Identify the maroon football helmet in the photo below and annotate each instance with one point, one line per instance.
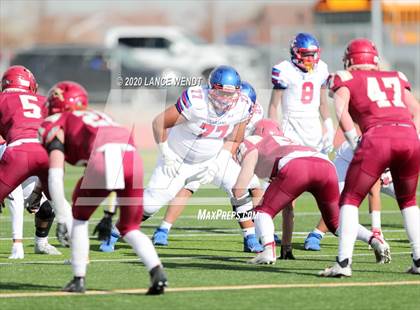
(267, 127)
(19, 77)
(67, 96)
(360, 52)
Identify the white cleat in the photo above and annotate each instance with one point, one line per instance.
(46, 248)
(338, 270)
(266, 257)
(381, 249)
(17, 251)
(415, 268)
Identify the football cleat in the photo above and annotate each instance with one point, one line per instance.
(76, 285)
(266, 257)
(338, 270)
(62, 235)
(160, 237)
(381, 249)
(313, 242)
(415, 268)
(17, 251)
(158, 281)
(46, 248)
(251, 244)
(277, 239)
(109, 245)
(286, 252)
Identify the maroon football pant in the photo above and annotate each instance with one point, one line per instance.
(88, 196)
(395, 147)
(305, 174)
(21, 162)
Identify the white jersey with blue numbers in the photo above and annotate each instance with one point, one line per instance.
(201, 137)
(300, 101)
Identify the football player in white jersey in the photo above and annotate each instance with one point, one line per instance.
(206, 126)
(225, 179)
(299, 87)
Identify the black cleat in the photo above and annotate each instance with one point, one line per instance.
(286, 252)
(159, 281)
(76, 285)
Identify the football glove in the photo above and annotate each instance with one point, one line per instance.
(207, 175)
(172, 161)
(62, 235)
(104, 227)
(32, 203)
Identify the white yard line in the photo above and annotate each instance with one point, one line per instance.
(120, 260)
(158, 218)
(229, 232)
(214, 288)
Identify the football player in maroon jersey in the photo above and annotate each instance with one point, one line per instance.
(381, 103)
(81, 136)
(292, 169)
(21, 112)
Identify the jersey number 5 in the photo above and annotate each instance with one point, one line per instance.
(375, 93)
(307, 92)
(30, 109)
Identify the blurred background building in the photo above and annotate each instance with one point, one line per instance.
(85, 40)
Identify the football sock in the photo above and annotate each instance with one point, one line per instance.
(143, 247)
(317, 231)
(248, 231)
(376, 219)
(363, 234)
(348, 227)
(16, 213)
(411, 217)
(264, 227)
(79, 247)
(166, 225)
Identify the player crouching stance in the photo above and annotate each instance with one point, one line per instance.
(88, 137)
(383, 106)
(292, 169)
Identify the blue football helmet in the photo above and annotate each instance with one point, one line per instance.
(248, 90)
(305, 51)
(225, 87)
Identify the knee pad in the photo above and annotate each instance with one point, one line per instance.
(45, 211)
(44, 219)
(242, 207)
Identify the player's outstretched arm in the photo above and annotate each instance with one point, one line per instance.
(328, 138)
(414, 108)
(341, 103)
(275, 102)
(245, 175)
(233, 141)
(167, 119)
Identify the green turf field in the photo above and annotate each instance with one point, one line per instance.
(207, 268)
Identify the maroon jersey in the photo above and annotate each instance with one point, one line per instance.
(272, 149)
(84, 131)
(20, 115)
(376, 97)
